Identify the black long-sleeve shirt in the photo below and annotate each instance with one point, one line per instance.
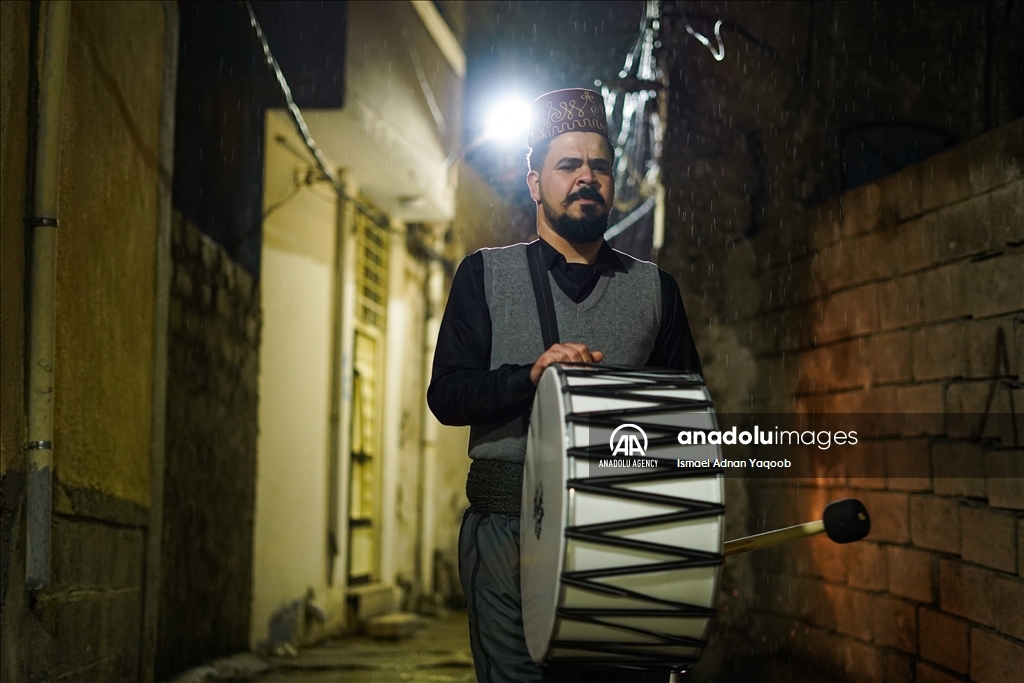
(464, 390)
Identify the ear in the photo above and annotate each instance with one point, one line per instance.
(533, 182)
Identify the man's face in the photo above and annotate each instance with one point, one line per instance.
(574, 187)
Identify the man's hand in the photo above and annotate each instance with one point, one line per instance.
(564, 353)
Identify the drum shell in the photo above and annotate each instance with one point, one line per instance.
(603, 580)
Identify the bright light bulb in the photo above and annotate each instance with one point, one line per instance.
(508, 121)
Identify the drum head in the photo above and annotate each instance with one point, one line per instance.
(542, 542)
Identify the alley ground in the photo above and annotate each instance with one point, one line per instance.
(438, 653)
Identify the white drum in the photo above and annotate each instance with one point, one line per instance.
(619, 564)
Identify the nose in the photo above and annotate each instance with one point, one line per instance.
(586, 176)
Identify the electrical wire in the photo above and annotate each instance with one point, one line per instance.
(278, 204)
(718, 54)
(318, 155)
(293, 109)
(309, 179)
(363, 206)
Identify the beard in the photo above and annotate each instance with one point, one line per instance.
(590, 226)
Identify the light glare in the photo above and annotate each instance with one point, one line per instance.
(508, 121)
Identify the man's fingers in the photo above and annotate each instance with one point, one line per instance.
(564, 353)
(578, 353)
(570, 352)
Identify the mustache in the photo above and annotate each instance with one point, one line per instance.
(585, 192)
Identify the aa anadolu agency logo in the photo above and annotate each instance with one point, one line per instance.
(628, 444)
(628, 441)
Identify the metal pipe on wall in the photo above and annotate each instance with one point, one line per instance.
(42, 283)
(336, 512)
(431, 427)
(395, 379)
(343, 355)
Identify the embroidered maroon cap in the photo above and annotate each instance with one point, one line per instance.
(573, 110)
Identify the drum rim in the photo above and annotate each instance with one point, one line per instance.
(559, 378)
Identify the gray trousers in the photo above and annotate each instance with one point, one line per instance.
(489, 571)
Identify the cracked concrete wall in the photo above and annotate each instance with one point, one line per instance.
(86, 624)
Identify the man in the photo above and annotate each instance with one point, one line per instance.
(490, 355)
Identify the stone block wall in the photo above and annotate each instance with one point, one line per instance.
(85, 625)
(906, 297)
(210, 461)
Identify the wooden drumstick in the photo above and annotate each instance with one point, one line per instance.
(845, 521)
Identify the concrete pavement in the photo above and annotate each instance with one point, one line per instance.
(438, 653)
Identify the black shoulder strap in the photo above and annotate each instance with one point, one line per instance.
(542, 290)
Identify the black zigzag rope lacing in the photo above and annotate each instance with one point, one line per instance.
(651, 653)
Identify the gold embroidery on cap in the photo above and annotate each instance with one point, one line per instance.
(581, 113)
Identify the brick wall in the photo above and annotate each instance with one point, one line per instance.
(907, 296)
(900, 296)
(209, 485)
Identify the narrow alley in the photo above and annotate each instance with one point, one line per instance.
(665, 340)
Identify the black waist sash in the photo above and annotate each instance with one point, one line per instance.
(495, 486)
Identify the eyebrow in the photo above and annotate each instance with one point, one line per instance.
(578, 160)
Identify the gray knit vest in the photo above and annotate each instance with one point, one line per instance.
(621, 317)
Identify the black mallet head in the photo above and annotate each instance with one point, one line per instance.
(846, 520)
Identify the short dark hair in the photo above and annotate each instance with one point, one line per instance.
(536, 156)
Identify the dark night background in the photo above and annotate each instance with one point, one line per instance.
(883, 84)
